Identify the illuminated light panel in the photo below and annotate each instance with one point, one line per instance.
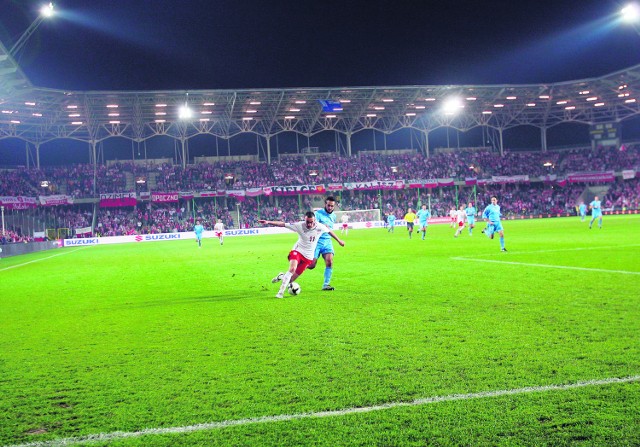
(420, 107)
(161, 105)
(531, 104)
(294, 110)
(584, 92)
(161, 113)
(331, 116)
(114, 114)
(371, 115)
(622, 86)
(74, 115)
(15, 122)
(592, 98)
(72, 107)
(301, 102)
(471, 98)
(486, 112)
(29, 103)
(252, 111)
(160, 121)
(378, 108)
(410, 114)
(36, 114)
(112, 106)
(204, 119)
(76, 123)
(247, 118)
(598, 104)
(207, 104)
(544, 97)
(345, 100)
(255, 103)
(497, 106)
(561, 102)
(206, 112)
(511, 98)
(629, 100)
(289, 117)
(8, 112)
(570, 107)
(387, 100)
(114, 122)
(429, 99)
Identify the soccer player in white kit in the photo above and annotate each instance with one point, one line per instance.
(345, 224)
(461, 215)
(301, 255)
(218, 230)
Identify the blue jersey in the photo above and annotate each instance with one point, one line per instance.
(391, 220)
(326, 219)
(492, 212)
(583, 209)
(198, 229)
(423, 215)
(470, 211)
(595, 208)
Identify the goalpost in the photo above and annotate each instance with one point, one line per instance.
(358, 216)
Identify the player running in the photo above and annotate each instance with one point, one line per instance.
(423, 220)
(596, 212)
(324, 248)
(492, 215)
(582, 210)
(218, 230)
(471, 212)
(461, 214)
(391, 222)
(345, 224)
(198, 229)
(301, 255)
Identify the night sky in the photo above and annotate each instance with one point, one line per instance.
(237, 44)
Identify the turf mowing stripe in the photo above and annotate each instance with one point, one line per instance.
(565, 267)
(555, 250)
(41, 259)
(102, 437)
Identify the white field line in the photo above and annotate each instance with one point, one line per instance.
(555, 250)
(549, 266)
(41, 259)
(106, 437)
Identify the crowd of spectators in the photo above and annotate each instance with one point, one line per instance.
(82, 181)
(528, 198)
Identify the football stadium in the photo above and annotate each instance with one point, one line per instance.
(464, 268)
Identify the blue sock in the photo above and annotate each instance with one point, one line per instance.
(327, 275)
(502, 242)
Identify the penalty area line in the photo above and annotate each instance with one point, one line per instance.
(102, 437)
(41, 259)
(549, 266)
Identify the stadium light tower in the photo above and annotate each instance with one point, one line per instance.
(45, 12)
(630, 13)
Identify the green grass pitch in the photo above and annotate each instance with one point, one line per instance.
(100, 343)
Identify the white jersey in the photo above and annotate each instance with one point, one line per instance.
(344, 218)
(453, 214)
(307, 237)
(460, 215)
(219, 227)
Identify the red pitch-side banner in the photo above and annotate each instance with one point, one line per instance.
(164, 197)
(18, 203)
(238, 194)
(591, 177)
(220, 193)
(254, 192)
(118, 199)
(335, 186)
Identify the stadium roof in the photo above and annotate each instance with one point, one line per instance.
(39, 115)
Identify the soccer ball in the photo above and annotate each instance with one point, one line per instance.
(293, 288)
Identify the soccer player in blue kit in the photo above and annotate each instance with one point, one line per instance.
(325, 247)
(470, 211)
(423, 220)
(596, 212)
(198, 229)
(582, 209)
(492, 214)
(391, 221)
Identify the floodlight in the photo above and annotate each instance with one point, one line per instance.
(47, 10)
(630, 13)
(452, 105)
(185, 112)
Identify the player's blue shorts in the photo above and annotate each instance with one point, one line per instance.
(497, 226)
(423, 223)
(324, 246)
(596, 214)
(471, 220)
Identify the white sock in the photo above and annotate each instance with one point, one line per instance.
(286, 278)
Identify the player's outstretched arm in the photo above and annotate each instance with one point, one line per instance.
(275, 223)
(338, 240)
